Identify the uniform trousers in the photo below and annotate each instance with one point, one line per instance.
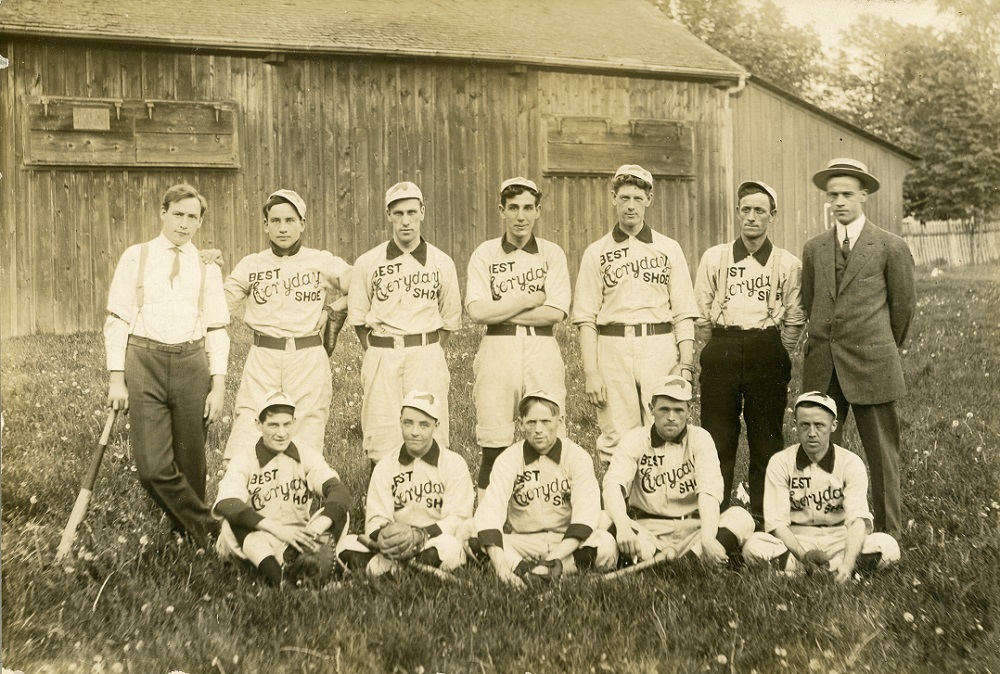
(745, 372)
(832, 540)
(167, 387)
(878, 428)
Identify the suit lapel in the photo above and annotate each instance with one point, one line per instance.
(859, 256)
(825, 256)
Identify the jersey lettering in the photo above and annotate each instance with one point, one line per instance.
(652, 269)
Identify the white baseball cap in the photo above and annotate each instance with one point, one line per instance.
(821, 399)
(542, 395)
(675, 387)
(523, 182)
(403, 190)
(274, 399)
(635, 171)
(292, 197)
(423, 401)
(764, 186)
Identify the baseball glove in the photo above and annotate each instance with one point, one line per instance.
(816, 560)
(400, 541)
(332, 329)
(536, 572)
(312, 569)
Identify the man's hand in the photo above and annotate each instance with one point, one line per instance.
(211, 256)
(713, 552)
(597, 391)
(296, 536)
(118, 392)
(683, 370)
(628, 542)
(844, 575)
(214, 401)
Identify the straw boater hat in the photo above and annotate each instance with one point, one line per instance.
(846, 167)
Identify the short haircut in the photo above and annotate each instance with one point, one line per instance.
(513, 190)
(526, 404)
(275, 409)
(625, 179)
(183, 191)
(274, 201)
(809, 403)
(747, 190)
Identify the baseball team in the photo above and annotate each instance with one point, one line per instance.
(538, 509)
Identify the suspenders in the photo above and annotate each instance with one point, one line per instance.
(722, 288)
(140, 287)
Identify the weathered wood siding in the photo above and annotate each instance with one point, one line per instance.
(339, 131)
(784, 144)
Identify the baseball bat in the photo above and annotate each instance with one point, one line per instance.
(665, 555)
(86, 489)
(412, 562)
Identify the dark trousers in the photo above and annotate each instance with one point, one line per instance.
(745, 372)
(166, 397)
(878, 428)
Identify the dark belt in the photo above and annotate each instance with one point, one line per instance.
(285, 343)
(407, 340)
(733, 330)
(638, 514)
(510, 329)
(183, 347)
(639, 330)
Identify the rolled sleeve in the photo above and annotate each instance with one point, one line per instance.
(777, 508)
(558, 293)
(450, 300)
(589, 295)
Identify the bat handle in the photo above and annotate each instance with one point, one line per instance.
(90, 477)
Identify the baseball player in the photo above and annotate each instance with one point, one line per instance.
(748, 294)
(167, 353)
(267, 492)
(669, 472)
(420, 499)
(404, 300)
(816, 514)
(635, 309)
(519, 288)
(545, 489)
(288, 292)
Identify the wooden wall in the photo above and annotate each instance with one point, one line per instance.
(339, 131)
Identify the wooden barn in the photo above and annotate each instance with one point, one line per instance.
(104, 105)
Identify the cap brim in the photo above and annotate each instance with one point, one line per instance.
(868, 181)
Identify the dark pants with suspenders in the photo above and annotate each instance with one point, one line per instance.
(745, 372)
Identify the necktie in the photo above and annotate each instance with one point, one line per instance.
(845, 247)
(176, 268)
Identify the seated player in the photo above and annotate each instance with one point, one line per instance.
(669, 472)
(816, 514)
(266, 496)
(420, 499)
(545, 487)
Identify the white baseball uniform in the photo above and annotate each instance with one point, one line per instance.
(404, 299)
(284, 297)
(634, 290)
(514, 359)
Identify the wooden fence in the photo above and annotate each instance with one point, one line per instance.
(956, 243)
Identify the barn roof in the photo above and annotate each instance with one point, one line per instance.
(628, 35)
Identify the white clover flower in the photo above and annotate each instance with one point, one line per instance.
(721, 659)
(908, 617)
(169, 609)
(780, 652)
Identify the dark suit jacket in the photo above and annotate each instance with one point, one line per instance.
(858, 329)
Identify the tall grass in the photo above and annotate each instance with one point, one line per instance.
(133, 599)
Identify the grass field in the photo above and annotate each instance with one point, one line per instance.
(134, 600)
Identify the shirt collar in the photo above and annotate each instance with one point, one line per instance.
(645, 234)
(802, 460)
(530, 247)
(851, 229)
(163, 243)
(431, 457)
(656, 440)
(264, 455)
(530, 455)
(286, 252)
(419, 253)
(740, 251)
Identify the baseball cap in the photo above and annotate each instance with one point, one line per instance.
(423, 401)
(523, 182)
(764, 186)
(821, 399)
(403, 190)
(675, 387)
(635, 171)
(274, 399)
(542, 395)
(292, 197)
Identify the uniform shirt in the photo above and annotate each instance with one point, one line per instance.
(664, 479)
(745, 300)
(396, 293)
(170, 311)
(499, 269)
(278, 485)
(634, 279)
(285, 295)
(556, 492)
(829, 493)
(433, 492)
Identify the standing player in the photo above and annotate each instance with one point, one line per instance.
(291, 289)
(404, 301)
(545, 488)
(858, 293)
(748, 292)
(267, 494)
(669, 472)
(816, 502)
(419, 500)
(635, 308)
(519, 287)
(167, 352)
